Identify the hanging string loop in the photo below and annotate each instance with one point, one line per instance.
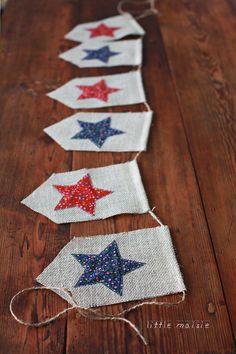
(138, 14)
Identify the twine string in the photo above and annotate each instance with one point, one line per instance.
(155, 217)
(138, 14)
(86, 312)
(147, 106)
(137, 155)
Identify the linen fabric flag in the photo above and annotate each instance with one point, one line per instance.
(99, 54)
(102, 131)
(109, 269)
(101, 91)
(90, 194)
(110, 28)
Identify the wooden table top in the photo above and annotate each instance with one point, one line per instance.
(188, 171)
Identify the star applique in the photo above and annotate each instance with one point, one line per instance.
(102, 30)
(82, 195)
(97, 132)
(107, 267)
(103, 54)
(100, 90)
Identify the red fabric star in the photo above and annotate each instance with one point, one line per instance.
(102, 30)
(82, 195)
(100, 90)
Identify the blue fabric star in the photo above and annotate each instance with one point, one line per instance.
(97, 132)
(103, 54)
(106, 267)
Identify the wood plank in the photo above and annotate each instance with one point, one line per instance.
(201, 52)
(28, 241)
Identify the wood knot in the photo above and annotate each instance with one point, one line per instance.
(211, 308)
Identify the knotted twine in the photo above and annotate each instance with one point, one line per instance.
(88, 313)
(151, 10)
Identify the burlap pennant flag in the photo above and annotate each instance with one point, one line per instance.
(101, 91)
(100, 54)
(108, 29)
(110, 269)
(90, 194)
(103, 131)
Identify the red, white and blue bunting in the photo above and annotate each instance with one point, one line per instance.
(105, 269)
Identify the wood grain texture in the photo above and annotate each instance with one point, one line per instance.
(187, 172)
(199, 43)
